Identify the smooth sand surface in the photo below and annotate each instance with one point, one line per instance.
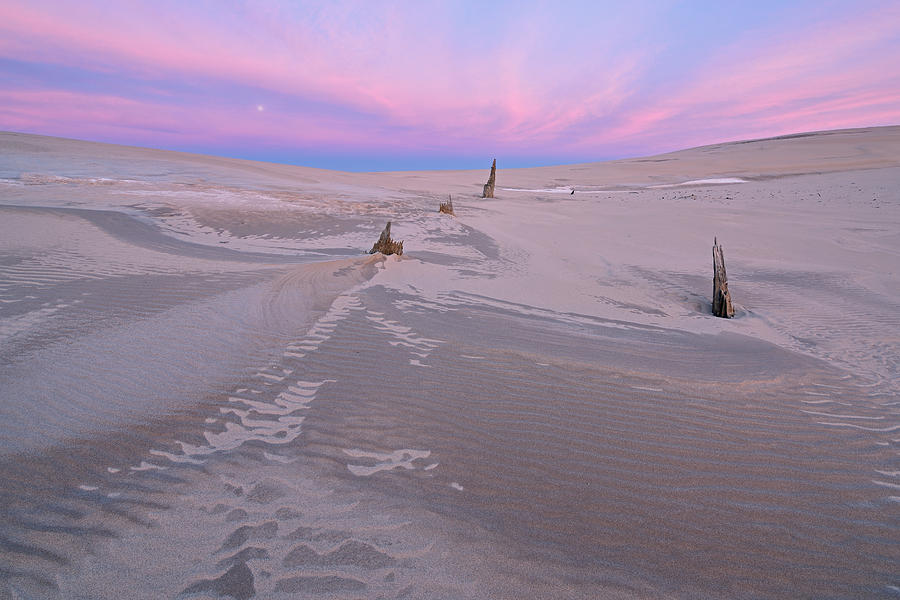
(208, 389)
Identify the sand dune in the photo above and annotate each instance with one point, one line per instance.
(208, 389)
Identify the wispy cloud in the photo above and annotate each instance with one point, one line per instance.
(536, 81)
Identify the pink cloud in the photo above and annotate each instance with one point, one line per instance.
(410, 84)
(62, 113)
(795, 82)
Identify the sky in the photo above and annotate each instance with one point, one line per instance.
(383, 85)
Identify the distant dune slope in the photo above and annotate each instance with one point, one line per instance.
(813, 152)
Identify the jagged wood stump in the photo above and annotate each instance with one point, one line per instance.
(721, 304)
(386, 245)
(446, 207)
(489, 186)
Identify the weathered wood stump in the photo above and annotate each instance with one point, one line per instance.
(446, 207)
(489, 186)
(386, 245)
(721, 304)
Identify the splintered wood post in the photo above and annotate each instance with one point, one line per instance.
(721, 304)
(489, 186)
(447, 207)
(386, 245)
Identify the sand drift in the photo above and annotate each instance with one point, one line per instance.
(209, 389)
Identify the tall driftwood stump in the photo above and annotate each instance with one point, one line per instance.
(446, 207)
(489, 186)
(386, 245)
(721, 304)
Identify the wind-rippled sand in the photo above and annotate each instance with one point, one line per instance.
(208, 389)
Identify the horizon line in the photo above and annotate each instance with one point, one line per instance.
(231, 156)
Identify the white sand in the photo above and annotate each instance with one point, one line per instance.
(205, 382)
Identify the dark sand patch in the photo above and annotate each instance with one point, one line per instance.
(327, 584)
(236, 582)
(352, 553)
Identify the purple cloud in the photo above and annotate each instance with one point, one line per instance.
(535, 83)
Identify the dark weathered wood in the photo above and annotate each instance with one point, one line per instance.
(447, 207)
(489, 186)
(721, 304)
(386, 245)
